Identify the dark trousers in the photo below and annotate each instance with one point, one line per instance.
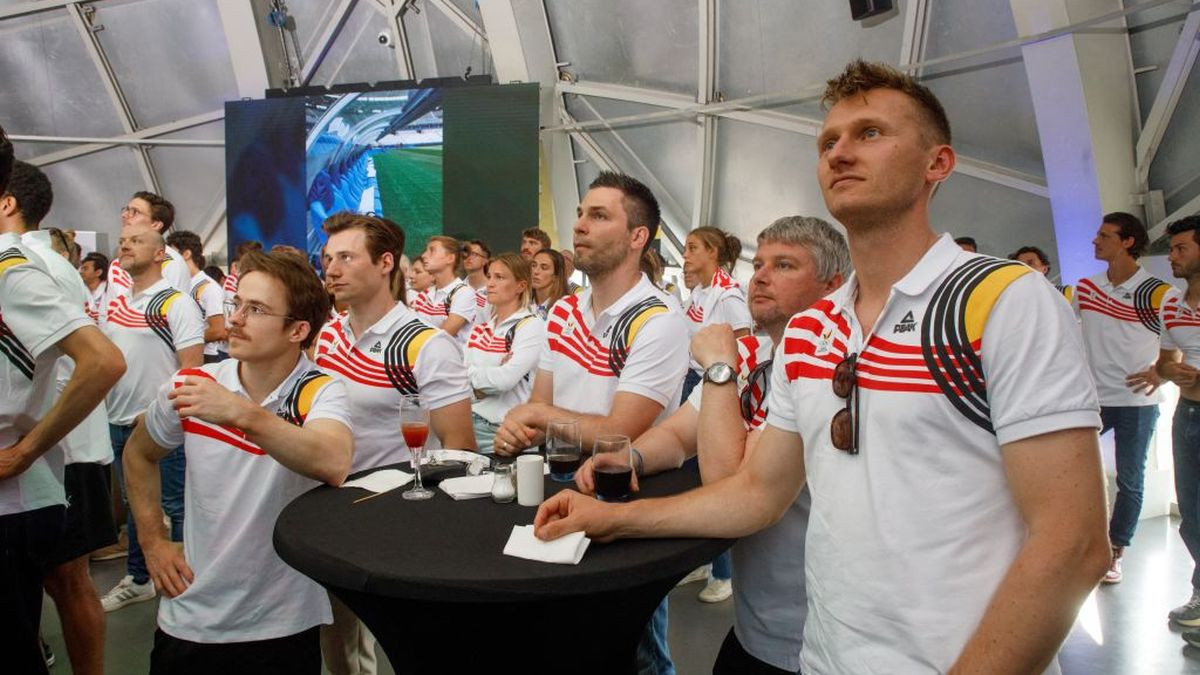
(733, 659)
(171, 471)
(27, 543)
(298, 654)
(1185, 442)
(1132, 427)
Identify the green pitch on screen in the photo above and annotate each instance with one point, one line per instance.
(410, 189)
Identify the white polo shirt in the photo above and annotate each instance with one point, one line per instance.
(1121, 326)
(233, 493)
(482, 311)
(634, 345)
(149, 328)
(229, 285)
(210, 297)
(909, 539)
(89, 440)
(769, 600)
(35, 315)
(723, 301)
(401, 354)
(1181, 326)
(501, 360)
(436, 305)
(95, 302)
(175, 272)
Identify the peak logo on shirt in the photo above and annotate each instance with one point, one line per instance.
(907, 325)
(377, 348)
(825, 343)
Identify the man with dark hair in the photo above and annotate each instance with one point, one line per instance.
(533, 240)
(475, 256)
(206, 292)
(6, 159)
(641, 371)
(1037, 259)
(89, 521)
(1179, 362)
(1119, 313)
(93, 270)
(383, 351)
(887, 387)
(967, 244)
(146, 209)
(263, 427)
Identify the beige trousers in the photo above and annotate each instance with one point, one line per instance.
(347, 646)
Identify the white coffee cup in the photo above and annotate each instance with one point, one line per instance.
(530, 490)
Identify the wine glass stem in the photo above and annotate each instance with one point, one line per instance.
(416, 453)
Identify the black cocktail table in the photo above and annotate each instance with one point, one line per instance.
(430, 580)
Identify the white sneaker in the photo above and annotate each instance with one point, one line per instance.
(126, 593)
(716, 590)
(698, 574)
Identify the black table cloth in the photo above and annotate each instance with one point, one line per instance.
(430, 580)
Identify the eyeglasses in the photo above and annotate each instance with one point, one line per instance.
(759, 381)
(233, 308)
(130, 210)
(843, 429)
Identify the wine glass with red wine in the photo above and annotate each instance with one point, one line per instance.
(612, 467)
(414, 425)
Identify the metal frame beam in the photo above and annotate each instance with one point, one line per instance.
(672, 210)
(395, 17)
(916, 24)
(1192, 207)
(969, 166)
(1174, 78)
(245, 47)
(26, 8)
(706, 131)
(333, 27)
(151, 132)
(465, 23)
(213, 219)
(121, 141)
(108, 78)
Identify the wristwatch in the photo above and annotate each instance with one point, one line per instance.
(719, 373)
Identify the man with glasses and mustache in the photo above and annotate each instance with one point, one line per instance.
(939, 410)
(146, 209)
(799, 261)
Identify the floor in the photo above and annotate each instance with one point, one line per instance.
(1121, 629)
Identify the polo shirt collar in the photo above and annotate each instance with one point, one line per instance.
(1132, 282)
(36, 238)
(400, 312)
(521, 313)
(232, 379)
(155, 288)
(928, 269)
(640, 290)
(9, 239)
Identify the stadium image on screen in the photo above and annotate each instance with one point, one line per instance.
(375, 152)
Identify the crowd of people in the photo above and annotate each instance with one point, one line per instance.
(906, 444)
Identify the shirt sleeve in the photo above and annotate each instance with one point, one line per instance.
(526, 353)
(162, 420)
(732, 309)
(441, 373)
(463, 303)
(176, 272)
(187, 328)
(1034, 364)
(213, 301)
(658, 360)
(781, 400)
(36, 310)
(331, 403)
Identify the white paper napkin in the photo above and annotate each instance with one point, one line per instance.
(566, 550)
(381, 481)
(444, 455)
(467, 487)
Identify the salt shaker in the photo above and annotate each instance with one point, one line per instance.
(503, 488)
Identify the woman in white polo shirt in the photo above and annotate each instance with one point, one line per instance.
(709, 255)
(548, 272)
(503, 351)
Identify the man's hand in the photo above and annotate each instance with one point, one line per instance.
(715, 343)
(203, 398)
(167, 566)
(1184, 375)
(1145, 382)
(585, 478)
(521, 429)
(15, 460)
(568, 511)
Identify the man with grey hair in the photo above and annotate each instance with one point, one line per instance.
(799, 261)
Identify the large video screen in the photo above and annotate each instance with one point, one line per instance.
(457, 160)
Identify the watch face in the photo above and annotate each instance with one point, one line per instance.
(719, 373)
